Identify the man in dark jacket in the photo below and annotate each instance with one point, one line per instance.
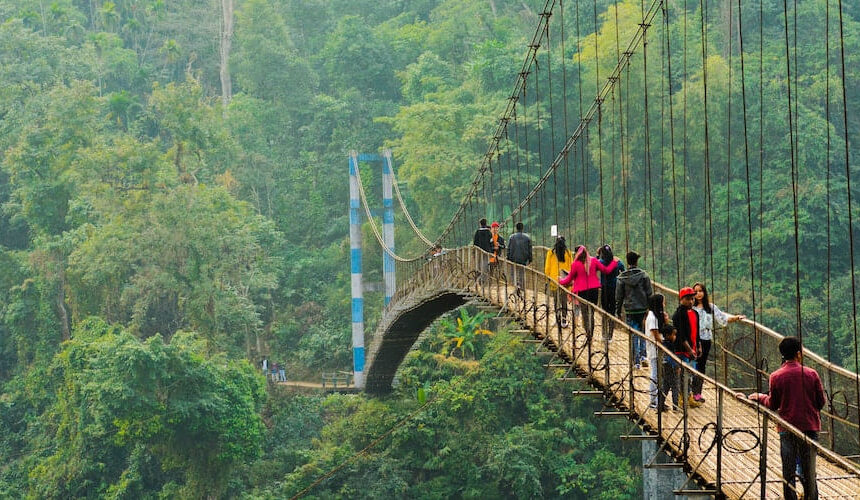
(484, 240)
(520, 252)
(631, 294)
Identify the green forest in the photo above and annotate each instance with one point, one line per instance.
(174, 209)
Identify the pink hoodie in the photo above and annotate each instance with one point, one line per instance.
(583, 280)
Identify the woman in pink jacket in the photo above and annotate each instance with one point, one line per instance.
(586, 282)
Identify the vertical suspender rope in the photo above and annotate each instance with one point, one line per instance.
(672, 149)
(551, 125)
(761, 152)
(683, 256)
(749, 193)
(663, 55)
(619, 120)
(793, 180)
(828, 324)
(729, 153)
(526, 151)
(850, 213)
(578, 148)
(599, 122)
(539, 165)
(703, 8)
(568, 201)
(649, 202)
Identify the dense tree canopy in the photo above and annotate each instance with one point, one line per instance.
(159, 236)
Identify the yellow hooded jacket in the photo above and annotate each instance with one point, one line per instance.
(552, 266)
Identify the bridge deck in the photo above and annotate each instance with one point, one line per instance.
(740, 467)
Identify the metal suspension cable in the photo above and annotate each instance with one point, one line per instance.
(672, 148)
(609, 84)
(599, 127)
(376, 231)
(749, 194)
(406, 211)
(794, 180)
(729, 151)
(564, 102)
(551, 121)
(828, 325)
(850, 212)
(703, 13)
(649, 201)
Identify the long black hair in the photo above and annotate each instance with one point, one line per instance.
(560, 248)
(604, 253)
(656, 306)
(706, 299)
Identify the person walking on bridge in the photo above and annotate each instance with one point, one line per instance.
(555, 266)
(497, 243)
(686, 321)
(520, 252)
(797, 395)
(586, 283)
(483, 239)
(608, 284)
(707, 314)
(631, 294)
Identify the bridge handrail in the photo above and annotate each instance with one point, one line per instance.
(433, 269)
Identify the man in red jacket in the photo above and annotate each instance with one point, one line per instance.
(797, 395)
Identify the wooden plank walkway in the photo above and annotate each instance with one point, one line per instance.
(742, 423)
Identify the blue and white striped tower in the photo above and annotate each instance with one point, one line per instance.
(355, 276)
(388, 226)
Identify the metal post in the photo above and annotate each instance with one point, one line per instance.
(388, 225)
(719, 432)
(630, 354)
(762, 463)
(355, 273)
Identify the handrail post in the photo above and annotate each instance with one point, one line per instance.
(661, 397)
(762, 462)
(719, 438)
(632, 385)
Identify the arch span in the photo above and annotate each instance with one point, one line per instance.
(397, 337)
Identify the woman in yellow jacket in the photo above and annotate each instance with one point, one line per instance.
(557, 266)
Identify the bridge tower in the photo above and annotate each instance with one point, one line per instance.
(388, 225)
(355, 250)
(356, 281)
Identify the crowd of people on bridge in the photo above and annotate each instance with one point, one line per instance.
(795, 391)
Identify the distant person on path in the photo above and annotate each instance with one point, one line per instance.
(654, 322)
(608, 283)
(686, 321)
(631, 294)
(282, 372)
(555, 266)
(265, 364)
(797, 396)
(520, 252)
(707, 314)
(274, 371)
(586, 282)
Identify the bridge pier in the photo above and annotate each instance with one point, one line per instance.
(659, 483)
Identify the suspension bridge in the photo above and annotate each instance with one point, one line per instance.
(607, 139)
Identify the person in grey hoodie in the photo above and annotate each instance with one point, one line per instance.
(631, 294)
(520, 252)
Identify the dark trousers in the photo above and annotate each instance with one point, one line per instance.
(561, 304)
(671, 382)
(791, 449)
(607, 302)
(701, 364)
(590, 296)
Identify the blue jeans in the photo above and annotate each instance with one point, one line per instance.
(634, 321)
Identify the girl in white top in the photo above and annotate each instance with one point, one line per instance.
(655, 319)
(707, 314)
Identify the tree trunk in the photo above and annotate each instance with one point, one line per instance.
(61, 300)
(493, 7)
(226, 42)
